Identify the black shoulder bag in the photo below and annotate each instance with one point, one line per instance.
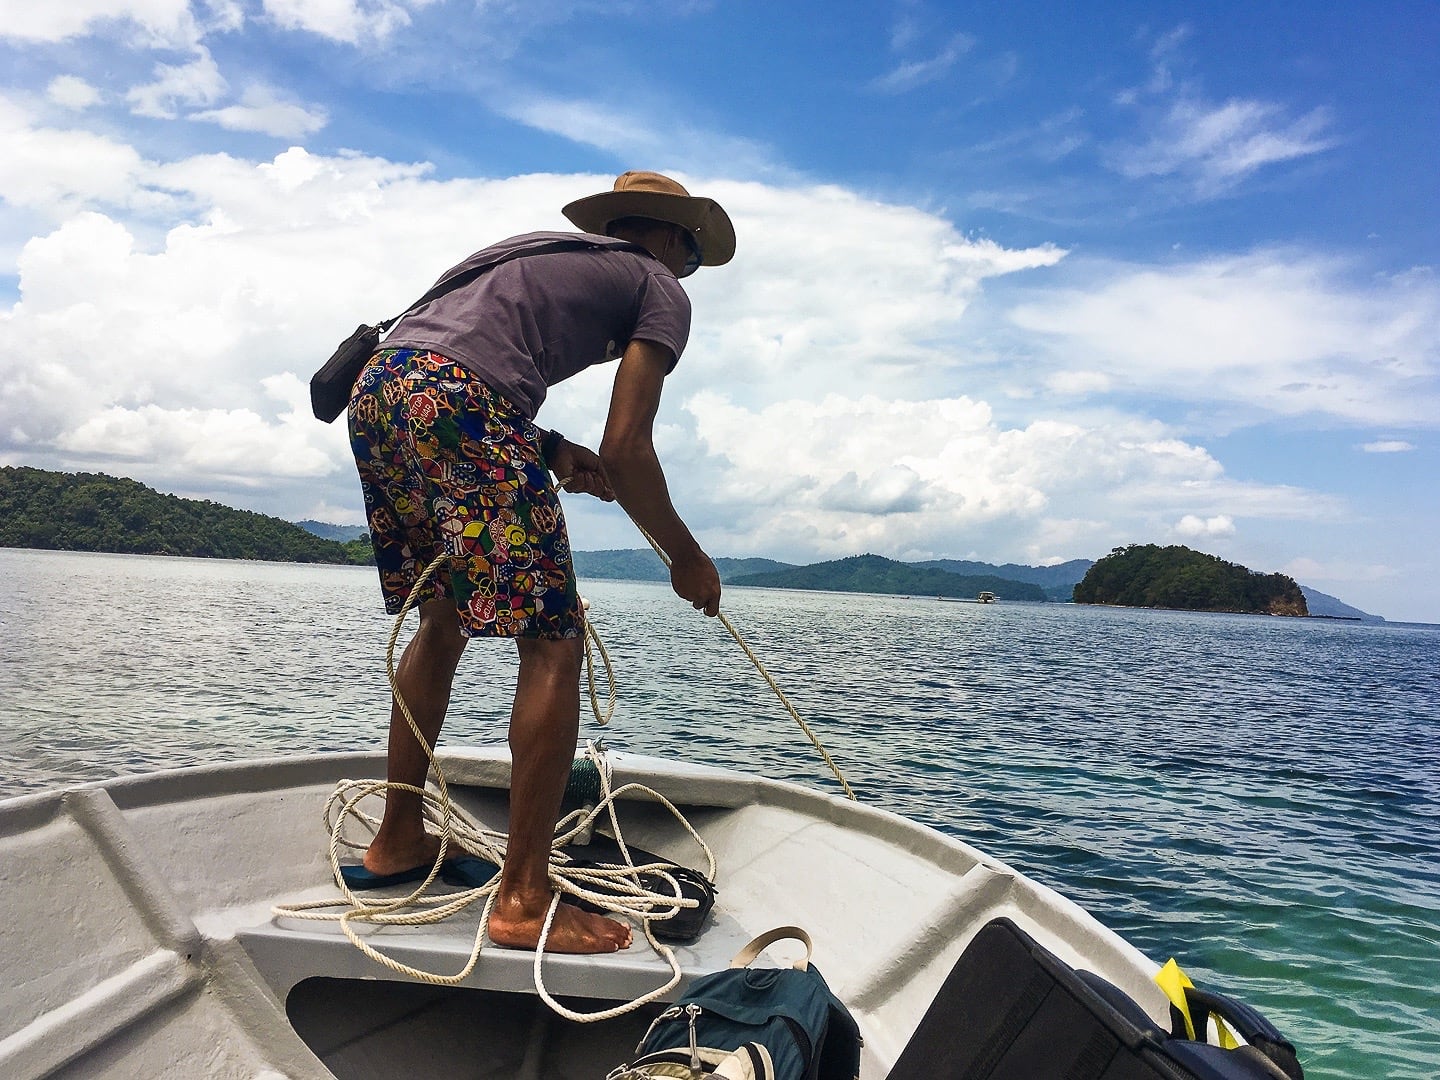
(331, 386)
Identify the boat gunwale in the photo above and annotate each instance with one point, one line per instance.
(274, 773)
(688, 784)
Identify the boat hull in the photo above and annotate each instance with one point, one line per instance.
(140, 938)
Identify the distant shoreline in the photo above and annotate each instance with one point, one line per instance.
(999, 602)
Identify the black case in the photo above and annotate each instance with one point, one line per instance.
(1011, 1010)
(330, 387)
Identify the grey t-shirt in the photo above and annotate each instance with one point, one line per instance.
(532, 322)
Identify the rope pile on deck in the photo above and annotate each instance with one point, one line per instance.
(617, 889)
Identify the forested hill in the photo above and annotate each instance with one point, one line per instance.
(1058, 581)
(95, 512)
(876, 574)
(642, 564)
(326, 531)
(1145, 575)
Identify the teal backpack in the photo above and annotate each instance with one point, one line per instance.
(747, 1022)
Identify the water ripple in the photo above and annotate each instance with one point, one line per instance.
(1258, 797)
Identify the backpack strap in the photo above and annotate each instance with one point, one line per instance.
(747, 955)
(464, 277)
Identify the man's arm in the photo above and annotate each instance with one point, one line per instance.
(628, 454)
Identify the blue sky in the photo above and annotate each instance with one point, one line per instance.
(1015, 282)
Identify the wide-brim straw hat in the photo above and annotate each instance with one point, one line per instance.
(651, 195)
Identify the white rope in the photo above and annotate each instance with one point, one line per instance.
(593, 635)
(739, 640)
(457, 831)
(794, 714)
(596, 885)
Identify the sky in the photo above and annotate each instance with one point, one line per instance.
(1015, 282)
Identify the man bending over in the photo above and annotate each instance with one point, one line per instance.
(442, 427)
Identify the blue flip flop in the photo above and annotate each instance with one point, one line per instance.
(465, 870)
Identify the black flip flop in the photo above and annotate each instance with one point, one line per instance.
(685, 925)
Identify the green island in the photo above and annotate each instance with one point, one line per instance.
(877, 574)
(642, 564)
(94, 512)
(1146, 575)
(859, 573)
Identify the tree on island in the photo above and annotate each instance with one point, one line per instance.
(95, 512)
(1146, 575)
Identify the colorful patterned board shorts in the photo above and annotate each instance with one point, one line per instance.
(448, 465)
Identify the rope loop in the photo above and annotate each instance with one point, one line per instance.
(616, 888)
(769, 679)
(597, 885)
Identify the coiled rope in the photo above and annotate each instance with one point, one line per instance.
(595, 885)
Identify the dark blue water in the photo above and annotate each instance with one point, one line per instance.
(1258, 797)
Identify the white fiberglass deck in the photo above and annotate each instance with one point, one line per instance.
(138, 940)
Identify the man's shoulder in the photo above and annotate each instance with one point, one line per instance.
(526, 241)
(517, 247)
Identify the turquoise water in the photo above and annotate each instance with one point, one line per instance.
(1258, 797)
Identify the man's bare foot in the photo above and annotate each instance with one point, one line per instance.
(383, 858)
(516, 926)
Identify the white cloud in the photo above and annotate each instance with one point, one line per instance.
(228, 443)
(647, 131)
(332, 513)
(54, 170)
(1077, 383)
(1049, 140)
(349, 21)
(811, 415)
(163, 21)
(837, 291)
(175, 87)
(905, 31)
(155, 356)
(841, 475)
(1215, 147)
(1191, 526)
(910, 74)
(1210, 146)
(72, 92)
(1168, 42)
(261, 110)
(1164, 54)
(1387, 446)
(224, 15)
(1272, 332)
(585, 122)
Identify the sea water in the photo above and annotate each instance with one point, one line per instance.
(1257, 797)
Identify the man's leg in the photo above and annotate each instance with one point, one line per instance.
(543, 728)
(424, 676)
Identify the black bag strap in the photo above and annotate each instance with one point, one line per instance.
(1248, 1021)
(465, 277)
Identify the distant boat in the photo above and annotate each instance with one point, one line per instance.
(988, 598)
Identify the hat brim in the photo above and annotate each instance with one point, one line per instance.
(703, 218)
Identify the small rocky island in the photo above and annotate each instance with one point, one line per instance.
(1146, 575)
